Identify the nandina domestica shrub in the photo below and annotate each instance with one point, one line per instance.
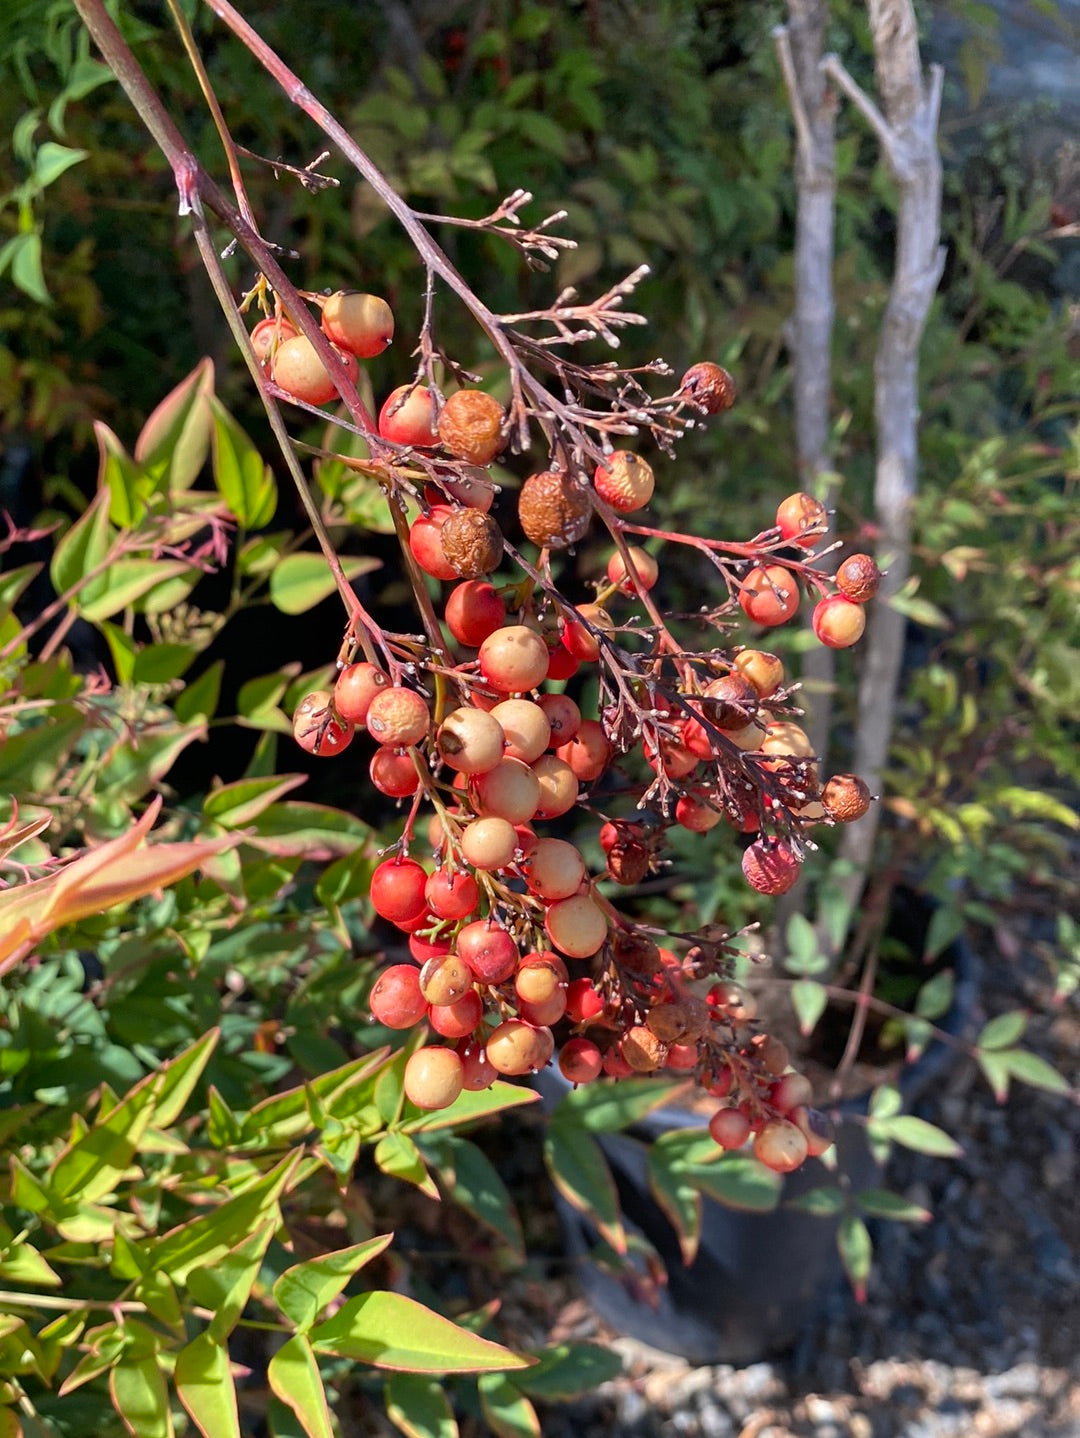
(516, 942)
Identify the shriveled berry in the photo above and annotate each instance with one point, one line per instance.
(553, 509)
(425, 542)
(858, 578)
(472, 543)
(770, 866)
(846, 798)
(471, 425)
(709, 387)
(642, 1050)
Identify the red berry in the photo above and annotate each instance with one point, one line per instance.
(425, 542)
(268, 334)
(317, 729)
(395, 998)
(459, 1019)
(397, 889)
(488, 950)
(356, 687)
(583, 1002)
(729, 1128)
(393, 772)
(802, 519)
(625, 482)
(514, 659)
(408, 416)
(298, 370)
(781, 1146)
(580, 1060)
(398, 716)
(361, 324)
(769, 594)
(839, 622)
(433, 1078)
(451, 893)
(474, 610)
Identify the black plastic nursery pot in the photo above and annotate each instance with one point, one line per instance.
(759, 1280)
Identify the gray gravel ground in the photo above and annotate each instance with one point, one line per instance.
(971, 1328)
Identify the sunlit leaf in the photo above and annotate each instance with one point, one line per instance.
(389, 1330)
(204, 1385)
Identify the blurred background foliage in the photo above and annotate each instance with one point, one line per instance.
(662, 130)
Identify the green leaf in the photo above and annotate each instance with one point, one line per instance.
(141, 1397)
(52, 160)
(233, 806)
(201, 696)
(225, 1285)
(175, 440)
(125, 582)
(823, 1202)
(294, 1377)
(472, 1105)
(881, 1203)
(397, 1156)
(14, 584)
(286, 1116)
(809, 1000)
(303, 1291)
(419, 1407)
(580, 1172)
(24, 1264)
(205, 1387)
(936, 995)
(210, 1236)
(94, 1163)
(1029, 1068)
(180, 1075)
(739, 1181)
(605, 1107)
(917, 1134)
(856, 1251)
(243, 479)
(470, 1180)
(300, 581)
(679, 1200)
(314, 832)
(121, 476)
(508, 1412)
(568, 1370)
(388, 1330)
(22, 255)
(85, 546)
(1003, 1031)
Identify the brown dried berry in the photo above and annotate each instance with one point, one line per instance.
(628, 863)
(858, 578)
(642, 1050)
(553, 509)
(472, 543)
(683, 1020)
(635, 952)
(770, 866)
(733, 702)
(709, 387)
(470, 426)
(845, 798)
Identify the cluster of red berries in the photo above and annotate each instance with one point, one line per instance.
(508, 932)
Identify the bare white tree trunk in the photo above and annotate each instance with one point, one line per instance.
(906, 127)
(801, 46)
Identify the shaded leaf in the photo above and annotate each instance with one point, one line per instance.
(243, 478)
(508, 1412)
(470, 1179)
(472, 1105)
(739, 1181)
(294, 1377)
(235, 805)
(823, 1202)
(580, 1172)
(916, 1133)
(606, 1107)
(856, 1251)
(204, 1385)
(1003, 1031)
(568, 1370)
(809, 1000)
(419, 1407)
(881, 1203)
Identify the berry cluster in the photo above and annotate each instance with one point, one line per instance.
(508, 932)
